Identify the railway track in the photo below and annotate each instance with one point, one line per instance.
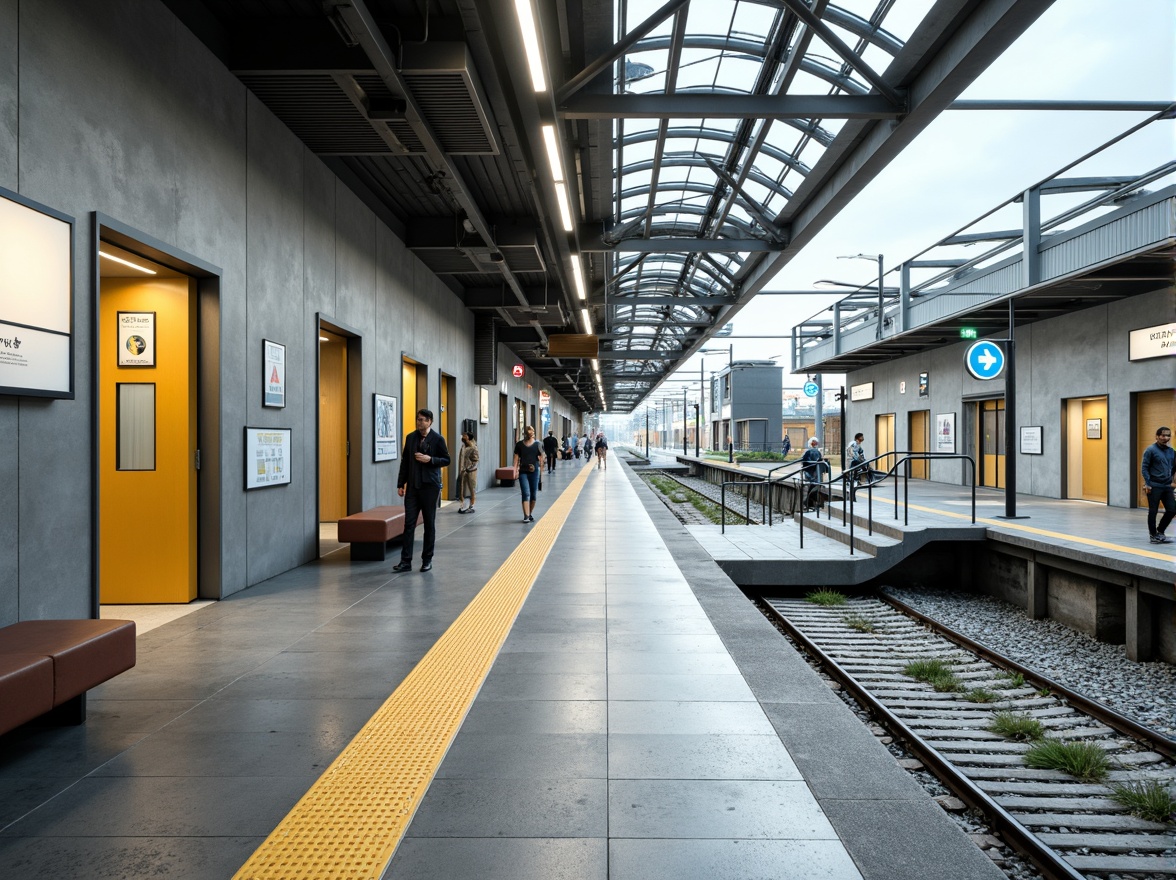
(1067, 827)
(713, 494)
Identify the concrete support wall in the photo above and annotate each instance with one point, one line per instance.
(116, 108)
(1080, 354)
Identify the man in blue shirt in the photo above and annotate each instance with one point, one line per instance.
(1157, 484)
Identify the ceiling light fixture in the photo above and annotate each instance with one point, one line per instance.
(578, 275)
(115, 259)
(565, 212)
(552, 144)
(586, 320)
(526, 16)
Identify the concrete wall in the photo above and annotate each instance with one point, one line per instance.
(117, 108)
(1080, 354)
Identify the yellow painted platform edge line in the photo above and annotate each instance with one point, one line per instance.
(1163, 557)
(291, 851)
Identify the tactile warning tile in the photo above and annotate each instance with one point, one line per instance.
(350, 822)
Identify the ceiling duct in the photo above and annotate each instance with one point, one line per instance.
(446, 87)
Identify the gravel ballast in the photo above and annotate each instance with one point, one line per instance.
(1144, 691)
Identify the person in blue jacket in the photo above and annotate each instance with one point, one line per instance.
(1156, 468)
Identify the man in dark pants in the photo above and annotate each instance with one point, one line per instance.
(550, 448)
(1157, 470)
(419, 484)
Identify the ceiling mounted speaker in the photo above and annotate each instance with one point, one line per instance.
(573, 345)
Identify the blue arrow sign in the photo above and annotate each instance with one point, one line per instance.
(985, 360)
(811, 389)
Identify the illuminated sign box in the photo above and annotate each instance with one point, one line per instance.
(865, 391)
(36, 299)
(1152, 342)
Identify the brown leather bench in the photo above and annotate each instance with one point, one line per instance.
(369, 532)
(50, 664)
(505, 476)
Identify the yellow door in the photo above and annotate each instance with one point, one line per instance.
(990, 442)
(332, 426)
(1094, 449)
(883, 441)
(147, 441)
(919, 432)
(408, 385)
(1153, 410)
(445, 429)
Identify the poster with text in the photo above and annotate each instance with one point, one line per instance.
(945, 432)
(384, 425)
(136, 339)
(267, 457)
(274, 374)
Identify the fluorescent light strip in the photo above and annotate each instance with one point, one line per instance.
(586, 320)
(132, 265)
(565, 213)
(578, 275)
(530, 34)
(552, 143)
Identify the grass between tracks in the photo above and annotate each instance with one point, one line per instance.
(1082, 760)
(1147, 799)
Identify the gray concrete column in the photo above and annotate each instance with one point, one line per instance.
(1036, 589)
(1140, 645)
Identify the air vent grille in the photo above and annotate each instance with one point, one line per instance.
(317, 110)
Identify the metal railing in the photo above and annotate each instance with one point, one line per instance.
(806, 488)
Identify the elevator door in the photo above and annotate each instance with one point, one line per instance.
(991, 442)
(919, 434)
(332, 426)
(883, 441)
(147, 443)
(1153, 410)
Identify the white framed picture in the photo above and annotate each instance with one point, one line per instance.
(384, 428)
(484, 411)
(136, 339)
(273, 374)
(945, 432)
(267, 457)
(1031, 443)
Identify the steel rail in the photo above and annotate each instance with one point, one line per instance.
(1045, 859)
(1153, 739)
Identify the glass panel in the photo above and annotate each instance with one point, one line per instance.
(136, 426)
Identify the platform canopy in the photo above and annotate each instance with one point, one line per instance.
(632, 170)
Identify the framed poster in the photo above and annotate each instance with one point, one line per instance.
(273, 377)
(1094, 429)
(945, 432)
(384, 427)
(136, 339)
(484, 411)
(36, 299)
(267, 457)
(1031, 440)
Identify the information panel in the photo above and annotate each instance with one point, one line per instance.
(267, 457)
(36, 299)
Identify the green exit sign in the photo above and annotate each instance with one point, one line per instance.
(967, 333)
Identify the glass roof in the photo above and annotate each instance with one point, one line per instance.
(722, 179)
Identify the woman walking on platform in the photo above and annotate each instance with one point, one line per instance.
(587, 448)
(601, 451)
(528, 460)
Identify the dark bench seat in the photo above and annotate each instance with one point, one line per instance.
(505, 476)
(50, 664)
(369, 532)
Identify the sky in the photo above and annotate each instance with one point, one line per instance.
(967, 162)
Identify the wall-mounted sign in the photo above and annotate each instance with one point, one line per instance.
(36, 299)
(811, 389)
(865, 391)
(518, 370)
(1031, 440)
(924, 384)
(545, 398)
(945, 432)
(902, 387)
(136, 339)
(1152, 342)
(267, 457)
(967, 333)
(384, 427)
(273, 374)
(484, 406)
(1094, 429)
(984, 360)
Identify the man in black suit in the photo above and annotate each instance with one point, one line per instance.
(419, 484)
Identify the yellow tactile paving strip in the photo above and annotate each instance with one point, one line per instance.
(350, 822)
(1105, 545)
